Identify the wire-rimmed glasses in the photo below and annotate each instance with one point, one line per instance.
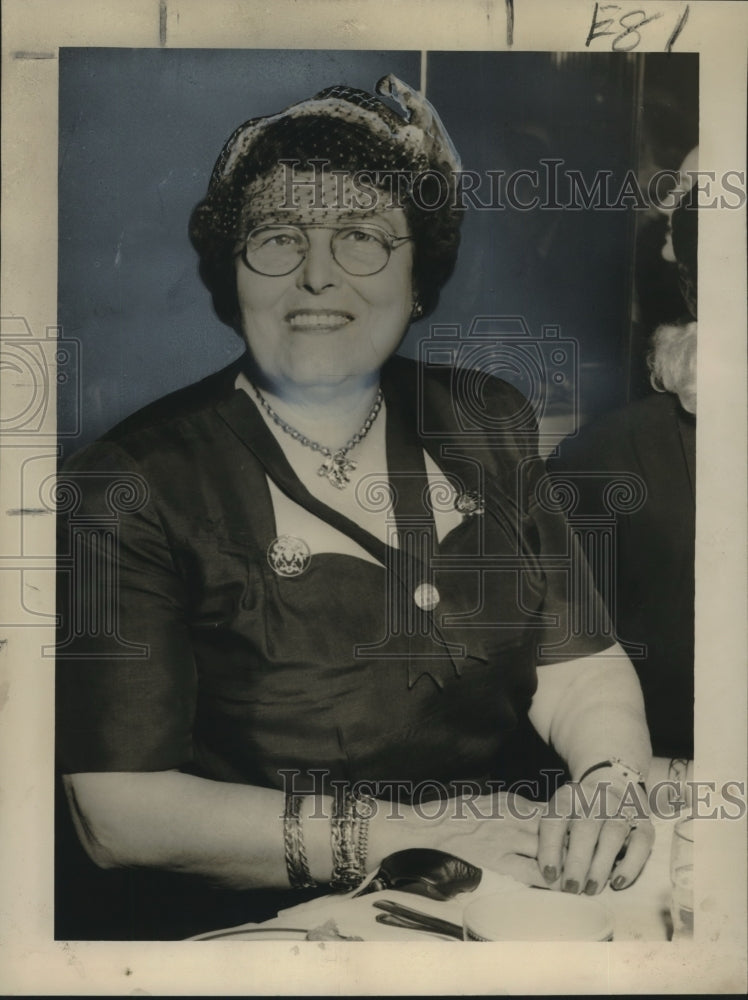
(361, 249)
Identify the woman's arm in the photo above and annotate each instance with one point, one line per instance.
(592, 711)
(592, 708)
(233, 834)
(177, 822)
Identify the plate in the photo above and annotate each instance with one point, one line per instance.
(255, 934)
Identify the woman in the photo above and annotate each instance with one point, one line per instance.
(324, 581)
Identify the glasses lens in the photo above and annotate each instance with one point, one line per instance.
(361, 249)
(275, 250)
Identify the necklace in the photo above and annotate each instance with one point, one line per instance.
(336, 467)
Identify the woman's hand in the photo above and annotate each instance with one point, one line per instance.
(593, 832)
(497, 831)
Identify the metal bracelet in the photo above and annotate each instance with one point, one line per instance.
(297, 865)
(363, 832)
(625, 770)
(348, 834)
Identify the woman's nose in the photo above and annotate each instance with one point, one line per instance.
(319, 269)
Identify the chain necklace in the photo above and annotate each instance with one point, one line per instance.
(336, 467)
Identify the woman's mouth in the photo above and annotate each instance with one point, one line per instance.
(318, 319)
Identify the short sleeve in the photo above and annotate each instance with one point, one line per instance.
(578, 621)
(566, 617)
(125, 673)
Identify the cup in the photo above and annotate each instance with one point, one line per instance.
(536, 915)
(681, 879)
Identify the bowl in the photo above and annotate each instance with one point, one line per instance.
(536, 915)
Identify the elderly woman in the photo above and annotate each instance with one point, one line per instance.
(327, 591)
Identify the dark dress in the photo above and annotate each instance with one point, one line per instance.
(189, 649)
(653, 605)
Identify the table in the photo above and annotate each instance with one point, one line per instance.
(640, 912)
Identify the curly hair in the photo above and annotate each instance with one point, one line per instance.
(672, 361)
(221, 220)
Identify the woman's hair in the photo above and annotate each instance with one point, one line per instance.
(372, 139)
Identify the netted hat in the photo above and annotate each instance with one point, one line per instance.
(417, 137)
(343, 127)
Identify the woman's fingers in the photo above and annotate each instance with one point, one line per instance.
(611, 839)
(551, 845)
(557, 848)
(638, 849)
(583, 838)
(579, 854)
(552, 835)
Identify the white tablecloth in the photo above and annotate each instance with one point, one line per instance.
(640, 913)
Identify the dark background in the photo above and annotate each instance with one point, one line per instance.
(140, 130)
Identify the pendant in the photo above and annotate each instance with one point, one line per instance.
(337, 469)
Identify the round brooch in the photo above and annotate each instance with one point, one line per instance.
(469, 503)
(289, 556)
(426, 596)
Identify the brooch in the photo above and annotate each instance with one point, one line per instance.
(289, 556)
(469, 503)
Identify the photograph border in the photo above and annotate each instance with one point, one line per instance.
(31, 961)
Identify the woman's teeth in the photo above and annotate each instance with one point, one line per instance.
(318, 320)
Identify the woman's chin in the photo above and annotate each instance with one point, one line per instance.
(329, 367)
(338, 372)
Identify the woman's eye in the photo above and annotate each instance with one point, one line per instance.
(280, 240)
(360, 236)
(275, 241)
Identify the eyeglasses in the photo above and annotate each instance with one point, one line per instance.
(359, 249)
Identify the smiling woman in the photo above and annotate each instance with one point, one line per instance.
(339, 309)
(343, 595)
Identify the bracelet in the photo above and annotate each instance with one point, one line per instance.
(677, 773)
(363, 844)
(297, 865)
(625, 770)
(349, 834)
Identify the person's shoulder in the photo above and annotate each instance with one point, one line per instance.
(160, 420)
(641, 412)
(610, 436)
(184, 403)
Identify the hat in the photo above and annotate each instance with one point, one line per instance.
(416, 138)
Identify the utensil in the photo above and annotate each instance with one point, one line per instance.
(426, 872)
(397, 915)
(257, 934)
(412, 925)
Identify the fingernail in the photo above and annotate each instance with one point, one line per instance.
(619, 882)
(571, 886)
(549, 873)
(591, 887)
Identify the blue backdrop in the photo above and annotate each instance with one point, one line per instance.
(139, 133)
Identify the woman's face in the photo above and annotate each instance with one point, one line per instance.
(320, 325)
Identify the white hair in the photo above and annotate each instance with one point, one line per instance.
(672, 362)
